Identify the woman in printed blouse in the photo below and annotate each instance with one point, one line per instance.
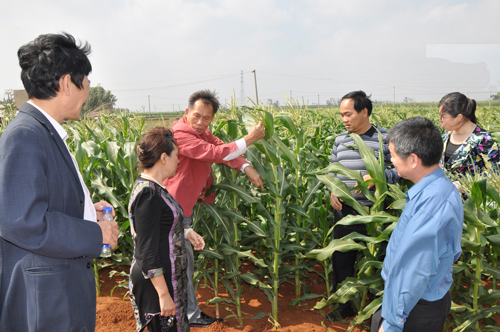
(158, 272)
(467, 147)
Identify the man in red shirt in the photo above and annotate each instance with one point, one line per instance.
(198, 149)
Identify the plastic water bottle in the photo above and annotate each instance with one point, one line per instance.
(106, 215)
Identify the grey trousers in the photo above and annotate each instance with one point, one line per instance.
(193, 311)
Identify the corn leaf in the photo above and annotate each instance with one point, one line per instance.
(339, 189)
(287, 153)
(217, 215)
(228, 250)
(340, 169)
(334, 245)
(378, 217)
(239, 190)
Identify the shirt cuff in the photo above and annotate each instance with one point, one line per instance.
(153, 273)
(245, 165)
(242, 148)
(187, 221)
(390, 328)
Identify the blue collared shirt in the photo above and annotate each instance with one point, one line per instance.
(422, 249)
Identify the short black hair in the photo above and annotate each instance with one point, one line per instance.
(207, 97)
(361, 101)
(456, 103)
(417, 135)
(49, 57)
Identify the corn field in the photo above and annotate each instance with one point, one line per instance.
(285, 232)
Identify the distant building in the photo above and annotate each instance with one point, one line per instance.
(20, 97)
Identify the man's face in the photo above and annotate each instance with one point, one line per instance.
(200, 116)
(78, 98)
(354, 122)
(403, 166)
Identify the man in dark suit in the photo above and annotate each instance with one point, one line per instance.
(48, 229)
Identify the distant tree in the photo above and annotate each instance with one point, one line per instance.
(99, 99)
(274, 103)
(8, 99)
(333, 102)
(8, 109)
(495, 97)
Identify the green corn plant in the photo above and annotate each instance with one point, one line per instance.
(231, 175)
(299, 202)
(480, 232)
(230, 193)
(224, 251)
(231, 251)
(206, 226)
(103, 148)
(230, 182)
(269, 156)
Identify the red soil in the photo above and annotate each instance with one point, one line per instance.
(114, 314)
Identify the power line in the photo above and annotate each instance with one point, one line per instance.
(175, 85)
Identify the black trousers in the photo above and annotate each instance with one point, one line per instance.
(425, 316)
(343, 263)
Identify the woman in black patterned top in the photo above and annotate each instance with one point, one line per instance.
(467, 147)
(158, 278)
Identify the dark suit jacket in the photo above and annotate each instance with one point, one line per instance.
(46, 247)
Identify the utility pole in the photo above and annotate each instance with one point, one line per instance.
(394, 98)
(318, 99)
(290, 95)
(149, 103)
(255, 80)
(242, 91)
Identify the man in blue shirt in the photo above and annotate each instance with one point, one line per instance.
(426, 241)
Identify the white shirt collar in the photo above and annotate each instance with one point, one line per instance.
(57, 126)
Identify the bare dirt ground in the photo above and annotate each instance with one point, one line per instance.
(115, 314)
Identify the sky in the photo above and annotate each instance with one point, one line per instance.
(152, 54)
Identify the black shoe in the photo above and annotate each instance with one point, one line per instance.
(204, 320)
(343, 313)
